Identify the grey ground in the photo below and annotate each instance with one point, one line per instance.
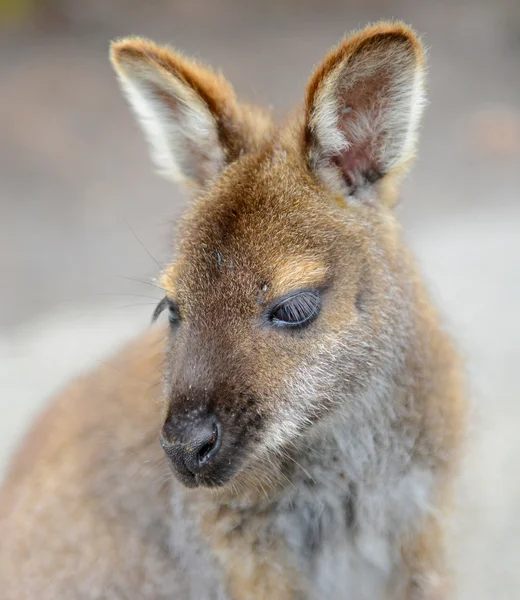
(75, 181)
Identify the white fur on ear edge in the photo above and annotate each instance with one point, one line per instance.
(176, 122)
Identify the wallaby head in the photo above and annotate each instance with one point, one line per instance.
(291, 298)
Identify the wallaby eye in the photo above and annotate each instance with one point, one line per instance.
(173, 310)
(173, 313)
(298, 310)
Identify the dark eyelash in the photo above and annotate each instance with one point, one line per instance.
(159, 308)
(297, 310)
(163, 304)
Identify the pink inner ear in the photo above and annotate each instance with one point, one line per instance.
(364, 107)
(358, 163)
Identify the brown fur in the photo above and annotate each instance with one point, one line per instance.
(84, 506)
(99, 434)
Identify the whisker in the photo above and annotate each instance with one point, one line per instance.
(161, 267)
(159, 287)
(137, 304)
(164, 479)
(287, 455)
(134, 295)
(263, 490)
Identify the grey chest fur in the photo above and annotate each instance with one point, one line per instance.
(340, 536)
(330, 543)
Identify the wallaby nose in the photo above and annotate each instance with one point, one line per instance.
(192, 443)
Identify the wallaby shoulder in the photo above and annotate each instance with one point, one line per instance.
(88, 489)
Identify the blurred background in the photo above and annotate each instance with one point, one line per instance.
(81, 210)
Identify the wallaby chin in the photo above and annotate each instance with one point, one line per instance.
(308, 403)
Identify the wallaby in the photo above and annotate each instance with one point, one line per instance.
(304, 393)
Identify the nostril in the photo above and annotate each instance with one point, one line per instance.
(209, 448)
(196, 442)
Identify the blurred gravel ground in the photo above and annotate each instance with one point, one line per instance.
(74, 175)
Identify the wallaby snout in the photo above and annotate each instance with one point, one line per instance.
(211, 425)
(193, 445)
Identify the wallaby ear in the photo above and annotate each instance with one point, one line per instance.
(363, 107)
(188, 113)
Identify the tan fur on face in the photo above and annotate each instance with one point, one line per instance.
(168, 278)
(296, 274)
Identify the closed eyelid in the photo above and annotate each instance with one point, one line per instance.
(295, 310)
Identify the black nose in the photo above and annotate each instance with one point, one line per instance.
(192, 443)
